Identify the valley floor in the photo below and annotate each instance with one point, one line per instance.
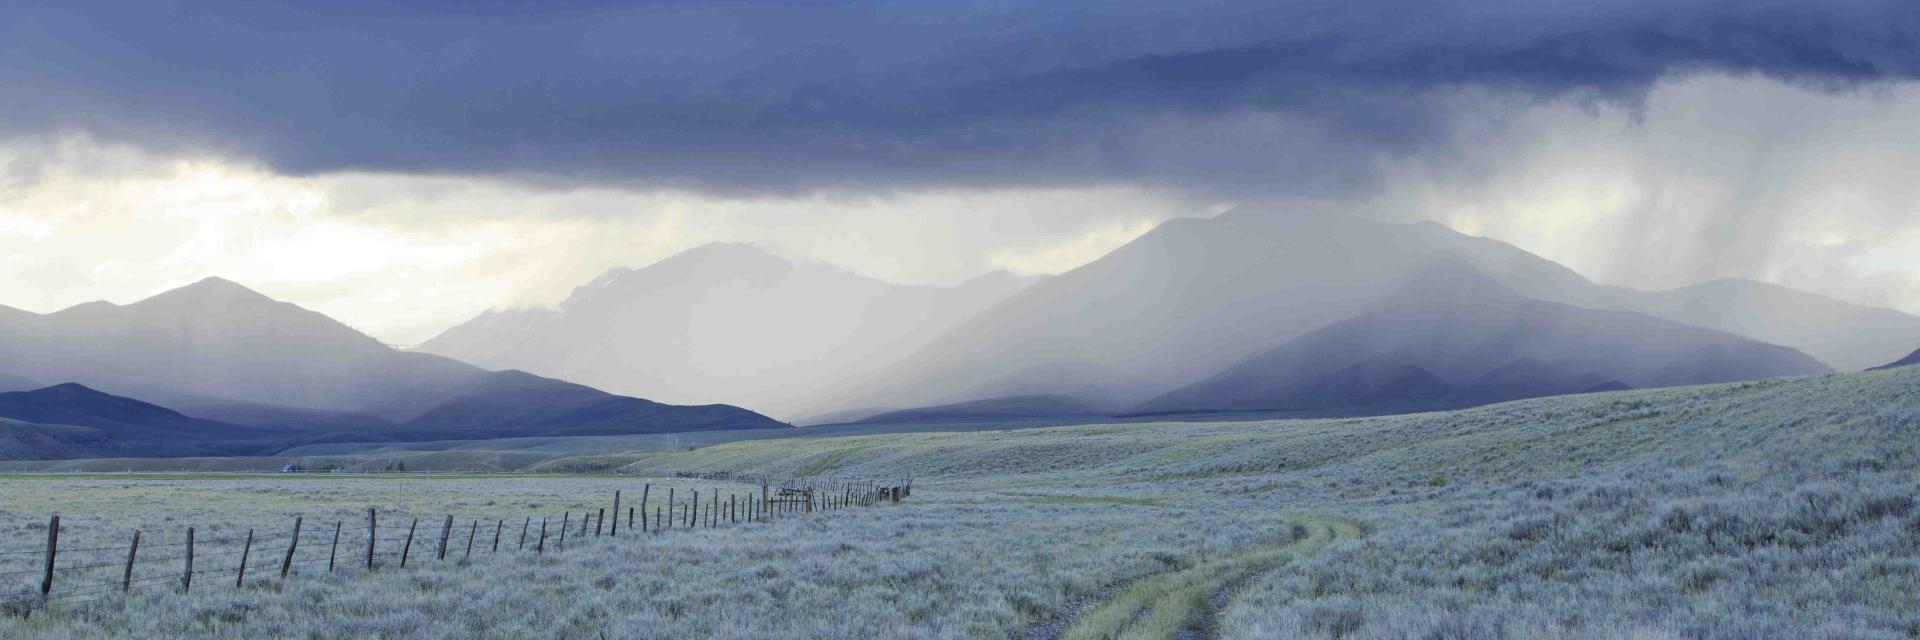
(1772, 509)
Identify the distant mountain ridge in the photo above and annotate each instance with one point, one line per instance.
(1454, 337)
(1197, 296)
(72, 420)
(722, 322)
(216, 341)
(1910, 360)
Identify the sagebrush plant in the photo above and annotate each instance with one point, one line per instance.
(1770, 509)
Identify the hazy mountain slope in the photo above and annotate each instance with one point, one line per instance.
(1846, 336)
(115, 425)
(1180, 303)
(218, 342)
(1014, 407)
(722, 322)
(1910, 360)
(10, 382)
(1195, 296)
(1452, 336)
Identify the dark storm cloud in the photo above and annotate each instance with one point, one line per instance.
(1298, 97)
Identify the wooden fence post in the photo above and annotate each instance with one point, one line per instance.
(186, 576)
(470, 533)
(287, 564)
(523, 531)
(671, 505)
(446, 531)
(565, 519)
(693, 510)
(601, 521)
(615, 531)
(373, 527)
(53, 549)
(245, 551)
(497, 527)
(408, 547)
(126, 581)
(656, 519)
(334, 552)
(541, 547)
(644, 491)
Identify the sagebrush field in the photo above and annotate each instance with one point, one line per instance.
(1772, 509)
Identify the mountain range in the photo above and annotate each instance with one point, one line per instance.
(227, 353)
(1247, 311)
(1195, 299)
(723, 322)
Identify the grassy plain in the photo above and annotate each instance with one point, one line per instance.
(1772, 509)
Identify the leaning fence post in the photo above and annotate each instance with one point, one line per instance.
(523, 531)
(446, 531)
(601, 520)
(470, 532)
(287, 564)
(373, 526)
(615, 530)
(408, 547)
(497, 527)
(334, 552)
(53, 549)
(186, 576)
(566, 519)
(245, 551)
(126, 581)
(542, 546)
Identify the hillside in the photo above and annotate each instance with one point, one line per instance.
(70, 420)
(722, 322)
(1910, 360)
(218, 345)
(1453, 337)
(1846, 336)
(1193, 297)
(1015, 407)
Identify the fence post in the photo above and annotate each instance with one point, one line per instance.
(615, 530)
(53, 549)
(542, 546)
(373, 527)
(470, 533)
(601, 520)
(126, 581)
(408, 547)
(656, 519)
(245, 552)
(693, 510)
(446, 531)
(497, 527)
(334, 552)
(186, 576)
(566, 520)
(646, 492)
(523, 531)
(287, 564)
(671, 505)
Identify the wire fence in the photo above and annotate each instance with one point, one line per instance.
(184, 562)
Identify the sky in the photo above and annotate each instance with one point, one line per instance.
(402, 169)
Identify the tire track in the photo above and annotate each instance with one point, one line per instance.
(1184, 604)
